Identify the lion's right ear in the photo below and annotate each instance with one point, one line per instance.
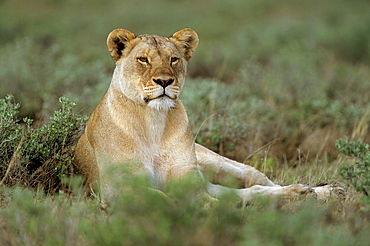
(118, 41)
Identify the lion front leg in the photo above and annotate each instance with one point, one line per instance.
(220, 170)
(283, 194)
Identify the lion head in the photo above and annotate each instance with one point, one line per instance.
(150, 69)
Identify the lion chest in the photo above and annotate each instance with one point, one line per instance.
(143, 141)
(155, 154)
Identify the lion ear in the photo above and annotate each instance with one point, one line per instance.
(186, 41)
(118, 41)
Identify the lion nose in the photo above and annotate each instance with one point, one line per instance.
(164, 82)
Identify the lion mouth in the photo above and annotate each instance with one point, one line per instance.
(164, 95)
(147, 99)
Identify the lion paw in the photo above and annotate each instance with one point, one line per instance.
(292, 193)
(328, 192)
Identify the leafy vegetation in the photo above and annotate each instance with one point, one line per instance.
(359, 172)
(181, 219)
(273, 84)
(37, 157)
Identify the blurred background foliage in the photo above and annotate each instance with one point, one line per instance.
(277, 80)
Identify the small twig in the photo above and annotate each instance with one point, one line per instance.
(268, 145)
(12, 161)
(204, 121)
(7, 140)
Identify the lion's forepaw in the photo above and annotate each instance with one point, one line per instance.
(328, 192)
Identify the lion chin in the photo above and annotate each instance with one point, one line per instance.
(162, 103)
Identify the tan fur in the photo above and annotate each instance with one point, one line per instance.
(141, 120)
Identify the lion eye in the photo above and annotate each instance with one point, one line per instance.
(174, 60)
(143, 59)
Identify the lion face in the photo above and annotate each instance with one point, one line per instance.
(151, 69)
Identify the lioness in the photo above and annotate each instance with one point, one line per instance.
(142, 120)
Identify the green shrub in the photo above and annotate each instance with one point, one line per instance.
(358, 173)
(145, 217)
(38, 156)
(10, 132)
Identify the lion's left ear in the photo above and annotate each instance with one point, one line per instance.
(186, 41)
(118, 43)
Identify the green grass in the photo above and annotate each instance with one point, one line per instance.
(273, 84)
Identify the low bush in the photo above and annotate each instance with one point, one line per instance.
(37, 157)
(357, 173)
(185, 217)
